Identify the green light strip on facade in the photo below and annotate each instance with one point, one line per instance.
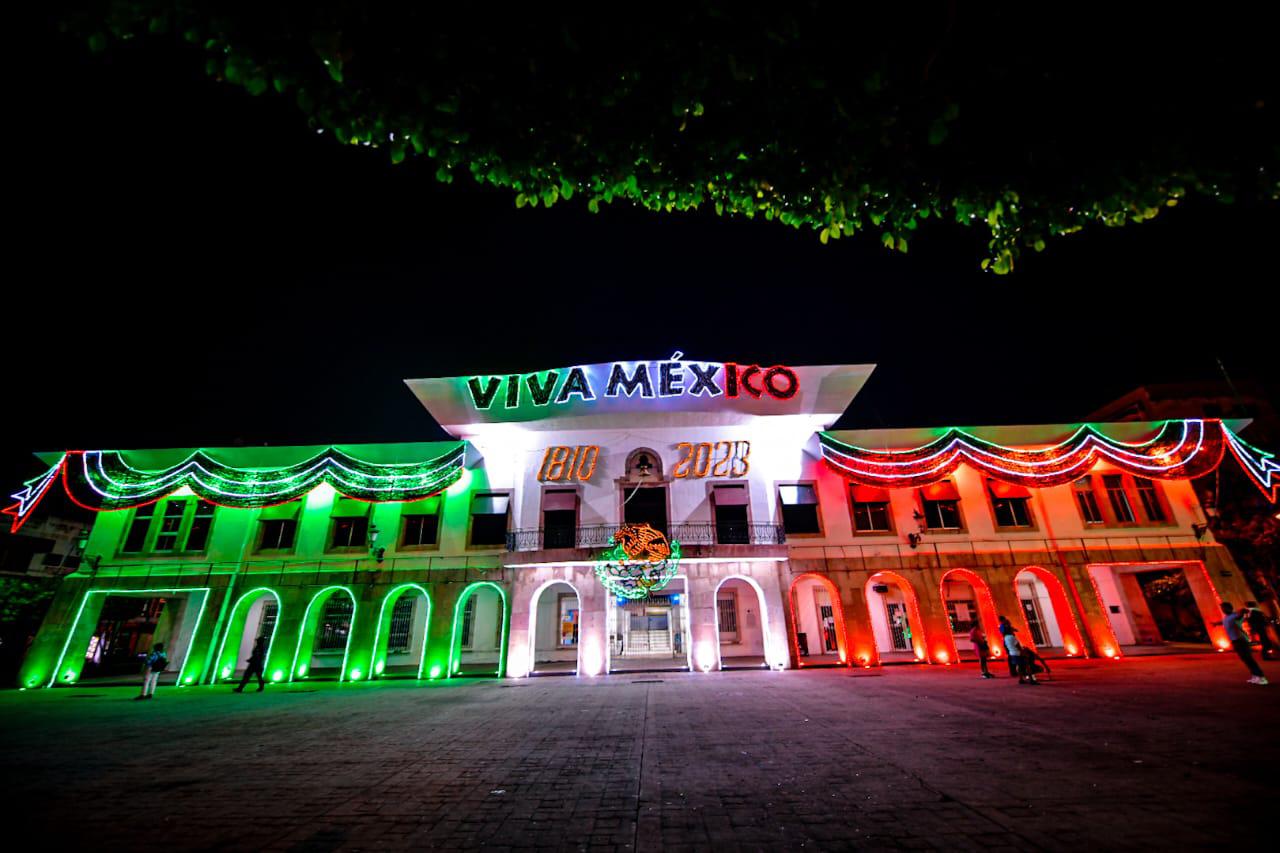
(204, 599)
(102, 480)
(374, 669)
(456, 641)
(302, 632)
(218, 662)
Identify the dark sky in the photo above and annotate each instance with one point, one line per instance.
(195, 267)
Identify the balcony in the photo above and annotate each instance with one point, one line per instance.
(688, 534)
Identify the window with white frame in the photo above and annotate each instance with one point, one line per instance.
(1011, 504)
(170, 526)
(941, 504)
(420, 523)
(1086, 500)
(870, 507)
(1118, 498)
(1149, 494)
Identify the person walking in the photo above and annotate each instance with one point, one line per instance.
(157, 662)
(1232, 621)
(1018, 661)
(257, 662)
(980, 645)
(1006, 629)
(1258, 624)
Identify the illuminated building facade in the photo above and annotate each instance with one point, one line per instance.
(641, 515)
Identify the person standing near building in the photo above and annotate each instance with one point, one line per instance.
(157, 662)
(1006, 630)
(980, 645)
(1258, 624)
(1232, 622)
(1018, 661)
(257, 662)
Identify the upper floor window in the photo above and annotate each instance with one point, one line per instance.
(1010, 503)
(168, 526)
(420, 523)
(1149, 494)
(1118, 498)
(871, 509)
(136, 538)
(350, 524)
(278, 526)
(1086, 500)
(730, 507)
(489, 519)
(941, 503)
(800, 509)
(559, 518)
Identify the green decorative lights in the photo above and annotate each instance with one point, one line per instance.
(92, 602)
(455, 644)
(379, 663)
(103, 480)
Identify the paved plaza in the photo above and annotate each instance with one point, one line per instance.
(1173, 752)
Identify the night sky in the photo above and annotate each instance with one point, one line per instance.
(196, 267)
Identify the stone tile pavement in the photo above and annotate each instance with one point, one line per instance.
(1167, 751)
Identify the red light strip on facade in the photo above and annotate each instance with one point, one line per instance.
(1182, 449)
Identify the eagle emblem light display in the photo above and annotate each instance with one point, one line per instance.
(639, 561)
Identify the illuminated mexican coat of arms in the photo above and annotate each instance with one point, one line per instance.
(639, 561)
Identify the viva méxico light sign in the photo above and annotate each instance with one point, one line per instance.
(662, 392)
(645, 380)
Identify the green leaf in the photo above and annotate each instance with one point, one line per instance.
(887, 240)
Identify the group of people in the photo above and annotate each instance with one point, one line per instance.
(1024, 662)
(157, 662)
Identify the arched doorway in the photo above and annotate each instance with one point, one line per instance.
(968, 602)
(819, 621)
(400, 638)
(324, 637)
(742, 624)
(1158, 603)
(255, 614)
(98, 621)
(652, 633)
(1046, 613)
(895, 618)
(555, 612)
(479, 644)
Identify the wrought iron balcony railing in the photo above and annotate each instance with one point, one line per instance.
(688, 533)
